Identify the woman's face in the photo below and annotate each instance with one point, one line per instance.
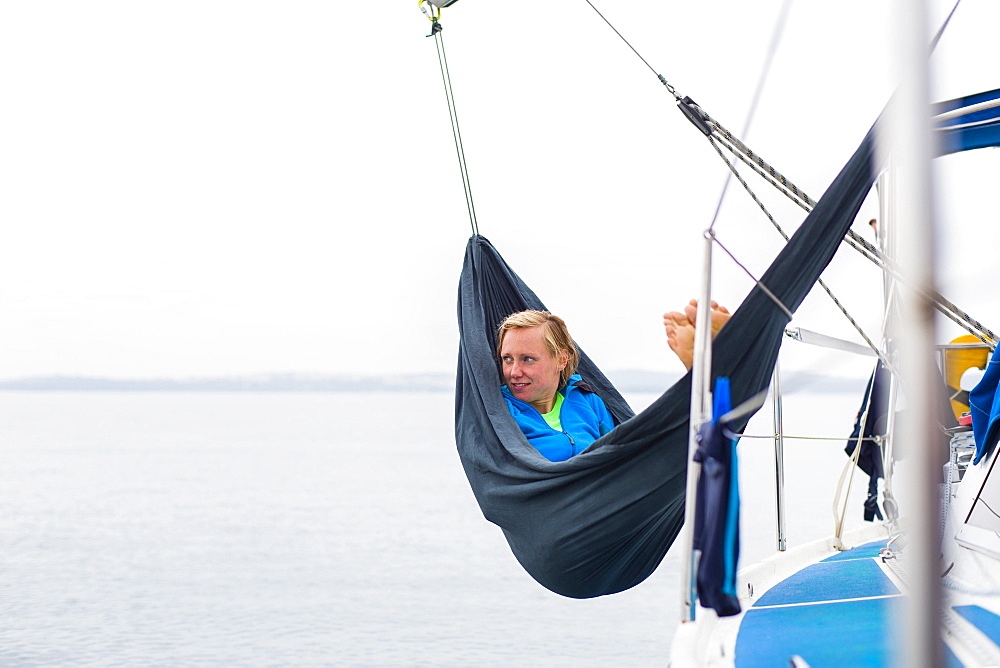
(529, 369)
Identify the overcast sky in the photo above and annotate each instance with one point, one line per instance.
(221, 187)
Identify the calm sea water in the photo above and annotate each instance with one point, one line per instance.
(293, 529)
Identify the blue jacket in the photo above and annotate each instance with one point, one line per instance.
(583, 415)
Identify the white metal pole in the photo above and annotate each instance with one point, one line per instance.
(779, 457)
(910, 130)
(701, 406)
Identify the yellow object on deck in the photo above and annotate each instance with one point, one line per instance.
(956, 363)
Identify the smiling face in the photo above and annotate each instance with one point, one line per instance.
(529, 369)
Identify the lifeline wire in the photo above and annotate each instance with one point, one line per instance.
(760, 284)
(453, 116)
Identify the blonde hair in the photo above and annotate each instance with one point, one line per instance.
(556, 335)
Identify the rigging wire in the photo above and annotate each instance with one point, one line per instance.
(860, 244)
(436, 30)
(940, 32)
(673, 91)
(788, 188)
(776, 35)
(693, 112)
(716, 132)
(819, 281)
(710, 127)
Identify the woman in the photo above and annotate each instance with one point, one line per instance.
(558, 412)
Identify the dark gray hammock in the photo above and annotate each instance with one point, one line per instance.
(601, 522)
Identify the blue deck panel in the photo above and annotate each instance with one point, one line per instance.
(832, 613)
(835, 613)
(845, 633)
(830, 581)
(817, 632)
(984, 620)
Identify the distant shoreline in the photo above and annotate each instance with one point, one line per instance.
(258, 383)
(625, 381)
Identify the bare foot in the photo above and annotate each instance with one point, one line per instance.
(720, 315)
(680, 336)
(680, 328)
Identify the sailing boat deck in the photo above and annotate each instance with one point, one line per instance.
(816, 606)
(841, 611)
(833, 612)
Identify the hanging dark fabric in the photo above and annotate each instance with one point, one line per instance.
(717, 519)
(873, 410)
(601, 522)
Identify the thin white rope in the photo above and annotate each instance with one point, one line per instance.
(962, 126)
(840, 514)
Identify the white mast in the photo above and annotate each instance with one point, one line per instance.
(910, 142)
